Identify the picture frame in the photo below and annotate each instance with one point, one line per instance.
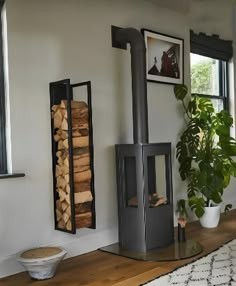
(164, 58)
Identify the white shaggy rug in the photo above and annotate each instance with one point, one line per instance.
(217, 268)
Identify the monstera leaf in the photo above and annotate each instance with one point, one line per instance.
(180, 91)
(197, 205)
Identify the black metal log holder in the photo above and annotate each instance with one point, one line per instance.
(63, 90)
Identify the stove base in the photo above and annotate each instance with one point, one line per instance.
(175, 251)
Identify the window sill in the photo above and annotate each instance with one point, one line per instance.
(14, 175)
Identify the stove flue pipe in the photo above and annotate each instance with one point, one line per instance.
(139, 85)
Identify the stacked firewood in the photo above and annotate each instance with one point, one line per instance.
(81, 165)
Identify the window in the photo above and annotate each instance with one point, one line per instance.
(209, 78)
(209, 68)
(3, 153)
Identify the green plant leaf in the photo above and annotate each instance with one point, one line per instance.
(197, 205)
(180, 91)
(227, 208)
(181, 208)
(204, 151)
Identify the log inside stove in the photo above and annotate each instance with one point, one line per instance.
(154, 201)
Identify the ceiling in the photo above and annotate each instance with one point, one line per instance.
(183, 5)
(177, 5)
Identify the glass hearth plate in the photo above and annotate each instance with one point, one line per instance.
(175, 251)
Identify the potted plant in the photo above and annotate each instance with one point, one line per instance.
(204, 153)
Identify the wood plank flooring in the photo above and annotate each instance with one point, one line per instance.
(100, 268)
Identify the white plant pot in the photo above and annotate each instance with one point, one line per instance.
(211, 217)
(40, 267)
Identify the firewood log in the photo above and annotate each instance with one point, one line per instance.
(83, 197)
(76, 169)
(82, 176)
(68, 211)
(82, 187)
(60, 162)
(55, 107)
(64, 135)
(78, 113)
(83, 208)
(66, 162)
(59, 132)
(83, 220)
(69, 225)
(57, 137)
(73, 104)
(84, 161)
(65, 170)
(58, 171)
(81, 151)
(133, 202)
(77, 142)
(67, 178)
(81, 125)
(58, 204)
(78, 157)
(62, 195)
(68, 199)
(57, 119)
(79, 169)
(159, 202)
(61, 224)
(59, 154)
(64, 124)
(65, 217)
(58, 214)
(60, 145)
(77, 123)
(83, 132)
(76, 133)
(61, 182)
(68, 188)
(64, 205)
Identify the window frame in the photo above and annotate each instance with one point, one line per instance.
(223, 84)
(3, 147)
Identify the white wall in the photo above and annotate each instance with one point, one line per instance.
(50, 40)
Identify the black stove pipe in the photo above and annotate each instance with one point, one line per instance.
(139, 84)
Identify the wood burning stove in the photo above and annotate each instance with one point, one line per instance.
(145, 196)
(144, 181)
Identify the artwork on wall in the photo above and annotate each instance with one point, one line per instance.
(164, 57)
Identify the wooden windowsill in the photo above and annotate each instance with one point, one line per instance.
(13, 175)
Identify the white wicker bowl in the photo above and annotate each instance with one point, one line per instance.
(41, 263)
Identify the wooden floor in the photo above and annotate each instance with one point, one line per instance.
(101, 268)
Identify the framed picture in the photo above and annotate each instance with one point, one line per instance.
(164, 61)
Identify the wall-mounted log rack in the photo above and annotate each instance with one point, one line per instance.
(72, 156)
